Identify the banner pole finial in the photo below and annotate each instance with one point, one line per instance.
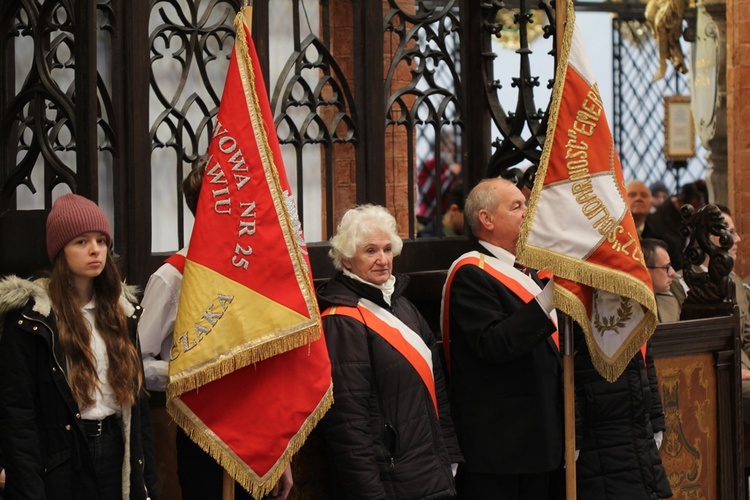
(247, 14)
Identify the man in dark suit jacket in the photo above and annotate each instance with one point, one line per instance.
(505, 366)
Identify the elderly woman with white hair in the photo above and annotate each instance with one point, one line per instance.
(389, 433)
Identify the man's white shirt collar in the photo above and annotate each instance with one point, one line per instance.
(499, 253)
(544, 298)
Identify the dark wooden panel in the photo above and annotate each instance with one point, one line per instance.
(24, 248)
(130, 49)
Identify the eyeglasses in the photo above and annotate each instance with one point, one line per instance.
(665, 268)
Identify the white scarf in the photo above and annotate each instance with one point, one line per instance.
(386, 288)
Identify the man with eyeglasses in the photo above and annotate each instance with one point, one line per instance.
(661, 271)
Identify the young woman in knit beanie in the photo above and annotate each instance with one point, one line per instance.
(74, 420)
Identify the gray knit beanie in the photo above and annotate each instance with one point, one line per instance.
(71, 216)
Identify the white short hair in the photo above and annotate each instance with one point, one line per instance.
(356, 226)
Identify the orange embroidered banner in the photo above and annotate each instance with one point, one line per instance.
(249, 369)
(578, 223)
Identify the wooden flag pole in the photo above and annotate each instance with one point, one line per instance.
(227, 487)
(569, 407)
(567, 322)
(247, 12)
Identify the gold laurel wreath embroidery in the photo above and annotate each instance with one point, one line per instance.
(615, 322)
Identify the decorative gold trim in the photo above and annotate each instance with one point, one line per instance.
(241, 356)
(209, 442)
(611, 280)
(588, 274)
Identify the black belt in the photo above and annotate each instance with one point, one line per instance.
(95, 428)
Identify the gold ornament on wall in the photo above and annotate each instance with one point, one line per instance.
(510, 36)
(665, 18)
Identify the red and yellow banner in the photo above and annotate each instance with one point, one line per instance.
(249, 369)
(578, 223)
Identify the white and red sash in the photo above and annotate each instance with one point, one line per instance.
(522, 286)
(394, 331)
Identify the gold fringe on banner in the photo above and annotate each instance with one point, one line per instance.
(247, 75)
(610, 370)
(240, 357)
(567, 302)
(256, 485)
(577, 270)
(280, 341)
(593, 275)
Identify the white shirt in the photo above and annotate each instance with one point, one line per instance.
(156, 325)
(104, 397)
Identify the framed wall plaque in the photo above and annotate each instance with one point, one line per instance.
(679, 129)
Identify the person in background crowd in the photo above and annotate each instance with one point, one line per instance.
(427, 180)
(639, 202)
(453, 218)
(505, 365)
(200, 476)
(659, 194)
(389, 433)
(622, 425)
(702, 188)
(664, 224)
(74, 419)
(661, 271)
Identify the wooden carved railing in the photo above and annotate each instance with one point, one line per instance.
(698, 364)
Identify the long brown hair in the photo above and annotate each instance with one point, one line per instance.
(124, 372)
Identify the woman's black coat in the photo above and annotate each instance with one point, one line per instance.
(618, 457)
(382, 435)
(45, 450)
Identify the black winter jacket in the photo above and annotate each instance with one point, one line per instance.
(45, 449)
(618, 457)
(382, 436)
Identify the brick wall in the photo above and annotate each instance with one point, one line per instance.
(344, 161)
(396, 137)
(738, 122)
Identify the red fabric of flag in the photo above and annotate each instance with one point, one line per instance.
(249, 369)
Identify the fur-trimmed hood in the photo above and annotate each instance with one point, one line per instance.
(15, 293)
(56, 405)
